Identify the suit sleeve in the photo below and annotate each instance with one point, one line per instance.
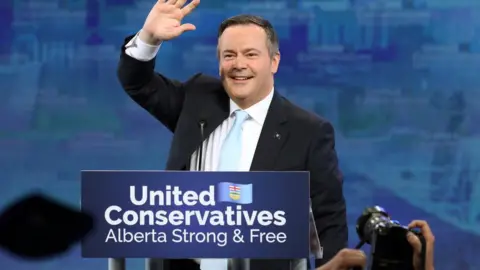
(161, 97)
(328, 203)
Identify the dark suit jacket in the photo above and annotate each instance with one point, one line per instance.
(306, 143)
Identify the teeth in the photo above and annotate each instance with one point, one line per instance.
(240, 78)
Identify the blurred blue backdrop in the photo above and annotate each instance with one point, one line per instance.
(397, 78)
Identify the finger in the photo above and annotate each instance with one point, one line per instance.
(424, 228)
(169, 2)
(180, 3)
(429, 239)
(357, 258)
(414, 242)
(429, 258)
(190, 7)
(351, 258)
(187, 27)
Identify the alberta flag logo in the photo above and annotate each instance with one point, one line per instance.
(234, 193)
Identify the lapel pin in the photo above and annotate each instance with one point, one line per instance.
(277, 136)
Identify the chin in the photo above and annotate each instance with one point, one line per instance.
(240, 93)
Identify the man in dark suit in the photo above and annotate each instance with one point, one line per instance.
(237, 123)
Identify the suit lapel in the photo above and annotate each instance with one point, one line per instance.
(272, 138)
(212, 111)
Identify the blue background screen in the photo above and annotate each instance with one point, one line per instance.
(398, 79)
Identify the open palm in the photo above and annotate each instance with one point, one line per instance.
(164, 22)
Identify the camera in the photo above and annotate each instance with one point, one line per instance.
(390, 249)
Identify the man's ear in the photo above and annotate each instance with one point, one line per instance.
(275, 63)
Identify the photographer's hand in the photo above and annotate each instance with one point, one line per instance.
(346, 259)
(417, 245)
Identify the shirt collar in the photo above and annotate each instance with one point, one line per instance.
(258, 112)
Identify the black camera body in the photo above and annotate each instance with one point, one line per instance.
(390, 249)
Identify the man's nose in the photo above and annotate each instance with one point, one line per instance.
(239, 63)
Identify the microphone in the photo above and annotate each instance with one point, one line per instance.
(201, 124)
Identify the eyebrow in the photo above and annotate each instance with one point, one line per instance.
(243, 51)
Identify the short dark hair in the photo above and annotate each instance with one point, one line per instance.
(246, 19)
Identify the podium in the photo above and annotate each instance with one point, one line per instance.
(249, 216)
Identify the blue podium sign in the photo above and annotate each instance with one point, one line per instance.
(165, 214)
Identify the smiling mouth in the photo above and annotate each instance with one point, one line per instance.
(241, 78)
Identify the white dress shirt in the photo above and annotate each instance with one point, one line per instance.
(251, 129)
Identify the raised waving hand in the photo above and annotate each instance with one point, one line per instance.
(164, 22)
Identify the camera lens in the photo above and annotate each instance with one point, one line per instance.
(372, 219)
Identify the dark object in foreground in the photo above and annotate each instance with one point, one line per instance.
(390, 249)
(36, 227)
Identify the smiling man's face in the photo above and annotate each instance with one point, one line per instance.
(245, 63)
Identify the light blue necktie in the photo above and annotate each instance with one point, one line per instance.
(229, 161)
(232, 146)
